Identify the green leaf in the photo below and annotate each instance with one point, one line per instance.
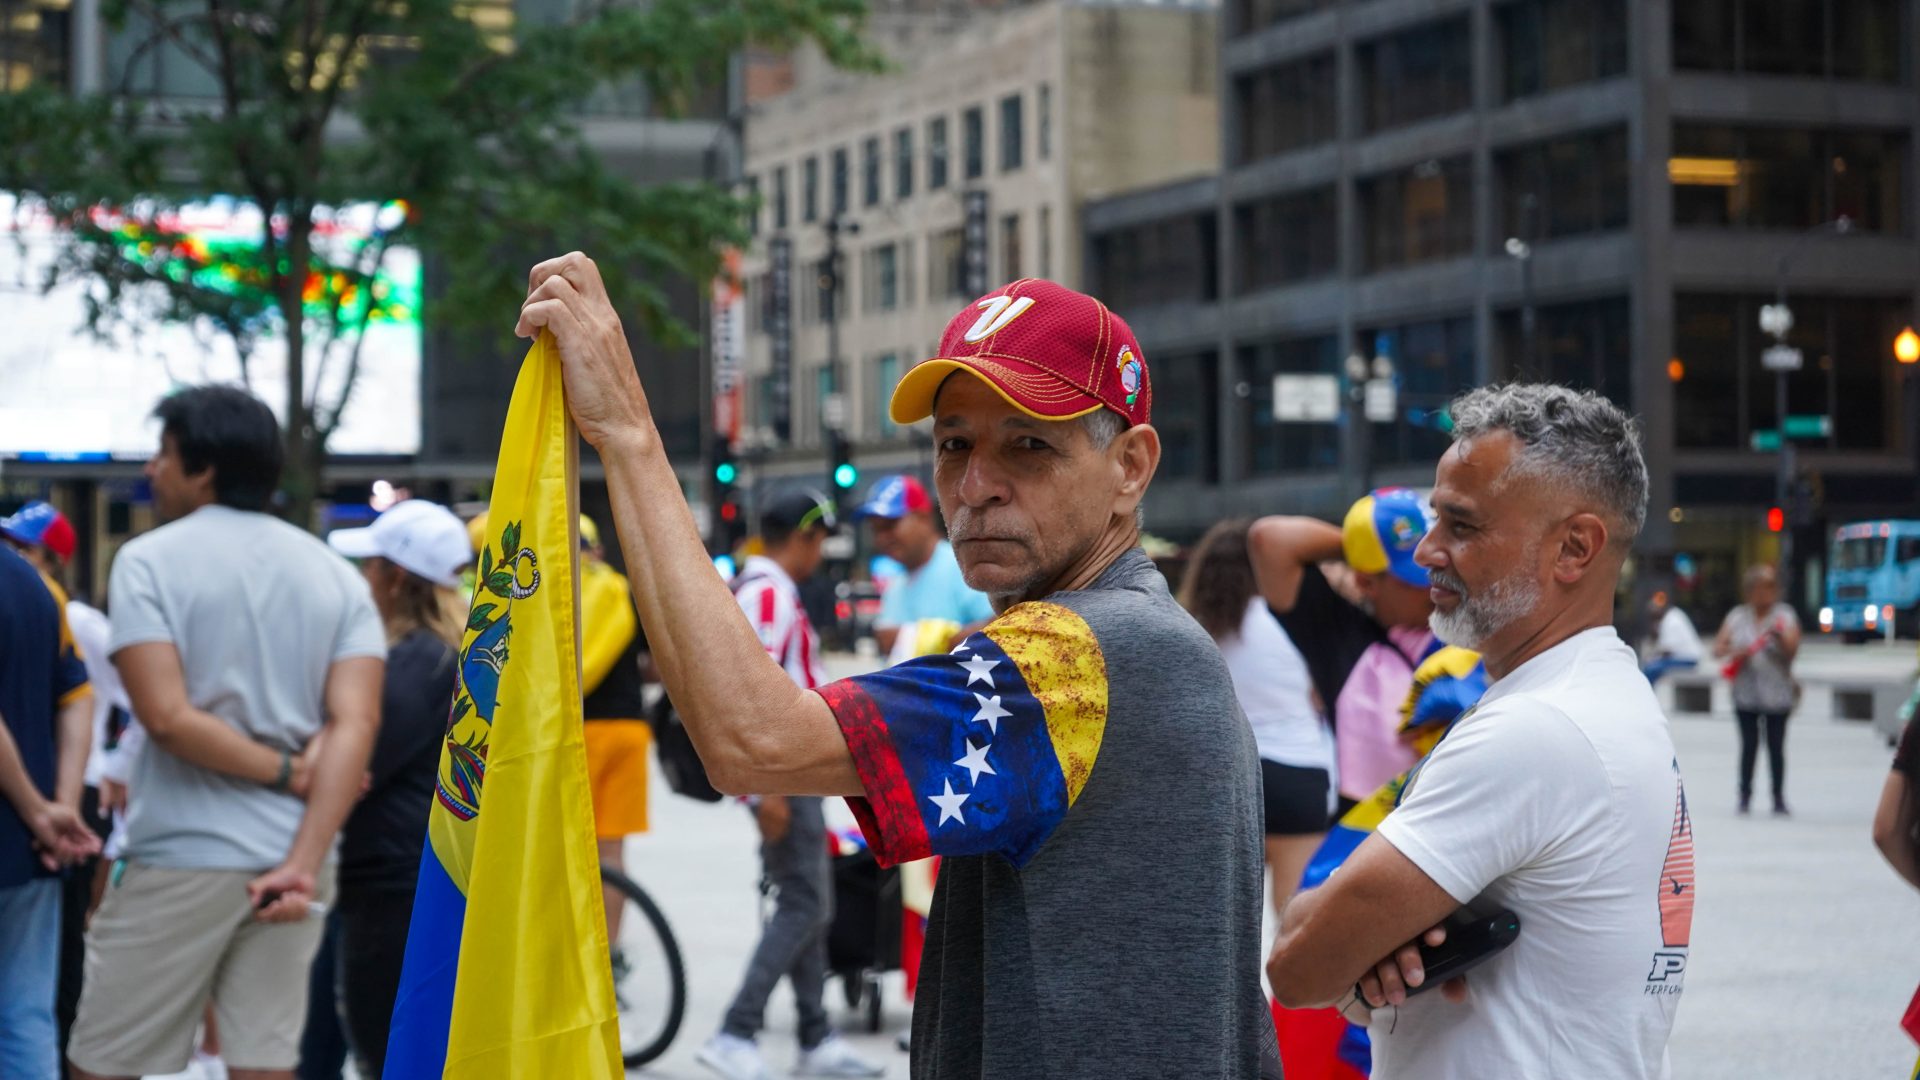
(486, 561)
(510, 541)
(481, 617)
(500, 583)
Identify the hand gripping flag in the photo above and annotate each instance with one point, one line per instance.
(506, 971)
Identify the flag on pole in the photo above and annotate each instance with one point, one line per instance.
(507, 971)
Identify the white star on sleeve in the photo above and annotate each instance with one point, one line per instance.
(949, 805)
(990, 711)
(980, 669)
(976, 762)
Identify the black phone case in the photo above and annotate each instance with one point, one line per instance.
(1472, 939)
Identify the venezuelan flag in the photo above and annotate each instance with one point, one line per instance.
(506, 971)
(983, 749)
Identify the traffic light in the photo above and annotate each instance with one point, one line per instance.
(1776, 519)
(726, 507)
(842, 470)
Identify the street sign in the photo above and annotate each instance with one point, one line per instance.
(1766, 441)
(1382, 402)
(833, 411)
(1781, 358)
(1311, 399)
(1808, 427)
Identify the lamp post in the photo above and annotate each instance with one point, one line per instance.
(1521, 251)
(1906, 350)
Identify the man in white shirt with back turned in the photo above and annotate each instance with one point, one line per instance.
(1557, 797)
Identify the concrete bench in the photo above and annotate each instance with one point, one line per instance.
(1874, 701)
(1693, 690)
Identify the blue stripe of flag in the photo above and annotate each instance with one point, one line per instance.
(423, 1009)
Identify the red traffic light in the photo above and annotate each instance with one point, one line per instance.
(729, 510)
(1776, 519)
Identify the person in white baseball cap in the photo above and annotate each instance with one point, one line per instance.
(412, 557)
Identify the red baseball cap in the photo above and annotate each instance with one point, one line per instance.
(1053, 353)
(38, 523)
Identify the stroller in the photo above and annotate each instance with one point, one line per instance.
(863, 941)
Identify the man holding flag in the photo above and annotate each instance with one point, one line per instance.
(1081, 762)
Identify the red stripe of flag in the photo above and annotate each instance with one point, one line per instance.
(890, 814)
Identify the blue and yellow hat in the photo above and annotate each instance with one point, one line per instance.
(1381, 531)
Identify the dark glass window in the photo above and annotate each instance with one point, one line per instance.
(1010, 247)
(752, 193)
(1549, 44)
(870, 171)
(780, 197)
(1723, 395)
(1251, 15)
(903, 163)
(841, 167)
(937, 153)
(1787, 178)
(1416, 74)
(1286, 107)
(1432, 361)
(1284, 239)
(1271, 446)
(1185, 402)
(1012, 133)
(1418, 214)
(810, 190)
(973, 132)
(1567, 186)
(1171, 260)
(35, 42)
(1583, 344)
(1841, 39)
(1044, 121)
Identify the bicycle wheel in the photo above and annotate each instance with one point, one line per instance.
(649, 978)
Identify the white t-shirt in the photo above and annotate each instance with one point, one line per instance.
(1677, 637)
(1270, 679)
(772, 603)
(1558, 797)
(91, 633)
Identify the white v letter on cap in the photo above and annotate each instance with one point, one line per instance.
(996, 313)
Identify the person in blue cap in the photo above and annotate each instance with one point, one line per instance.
(1356, 604)
(900, 513)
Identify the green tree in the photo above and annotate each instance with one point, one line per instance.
(462, 127)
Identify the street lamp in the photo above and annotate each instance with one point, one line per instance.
(1521, 251)
(1906, 347)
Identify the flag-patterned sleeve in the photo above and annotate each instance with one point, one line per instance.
(980, 750)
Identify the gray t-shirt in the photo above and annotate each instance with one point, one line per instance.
(259, 611)
(1083, 768)
(1765, 680)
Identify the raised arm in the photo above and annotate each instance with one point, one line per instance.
(1282, 548)
(755, 730)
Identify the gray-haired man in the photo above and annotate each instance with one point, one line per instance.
(1558, 796)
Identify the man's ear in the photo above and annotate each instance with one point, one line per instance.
(1583, 545)
(1135, 453)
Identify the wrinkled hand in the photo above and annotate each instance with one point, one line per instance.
(60, 837)
(281, 895)
(113, 796)
(1387, 983)
(566, 297)
(775, 817)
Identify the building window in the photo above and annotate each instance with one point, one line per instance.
(906, 273)
(1584, 345)
(1044, 122)
(780, 197)
(937, 153)
(825, 386)
(1284, 108)
(946, 265)
(870, 171)
(1432, 360)
(752, 195)
(1010, 247)
(1417, 215)
(1046, 242)
(1012, 133)
(1568, 186)
(1272, 447)
(903, 164)
(1546, 45)
(1285, 239)
(810, 190)
(1787, 178)
(973, 132)
(1723, 396)
(880, 276)
(841, 168)
(1840, 39)
(35, 43)
(825, 288)
(1186, 397)
(1251, 15)
(1416, 74)
(886, 374)
(1172, 260)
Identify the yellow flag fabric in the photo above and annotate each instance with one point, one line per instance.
(507, 971)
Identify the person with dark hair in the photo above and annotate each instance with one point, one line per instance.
(253, 656)
(1758, 642)
(793, 829)
(1896, 822)
(1270, 679)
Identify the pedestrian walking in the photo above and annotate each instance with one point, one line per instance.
(412, 557)
(932, 591)
(1557, 797)
(795, 864)
(1080, 763)
(46, 710)
(1355, 604)
(1271, 682)
(253, 657)
(1758, 642)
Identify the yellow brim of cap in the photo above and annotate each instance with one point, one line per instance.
(913, 398)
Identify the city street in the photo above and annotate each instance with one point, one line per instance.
(1804, 940)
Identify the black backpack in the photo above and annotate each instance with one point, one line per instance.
(686, 774)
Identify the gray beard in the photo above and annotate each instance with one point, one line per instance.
(1482, 614)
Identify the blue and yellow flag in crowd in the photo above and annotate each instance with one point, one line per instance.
(506, 971)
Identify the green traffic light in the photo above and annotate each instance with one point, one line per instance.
(844, 475)
(725, 472)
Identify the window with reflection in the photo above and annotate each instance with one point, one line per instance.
(903, 163)
(842, 177)
(1185, 402)
(1285, 238)
(1840, 39)
(1432, 360)
(870, 171)
(1417, 214)
(1566, 186)
(1546, 45)
(1787, 178)
(1168, 260)
(973, 132)
(1286, 107)
(1416, 74)
(1271, 446)
(810, 190)
(936, 153)
(780, 197)
(1251, 15)
(1585, 344)
(36, 38)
